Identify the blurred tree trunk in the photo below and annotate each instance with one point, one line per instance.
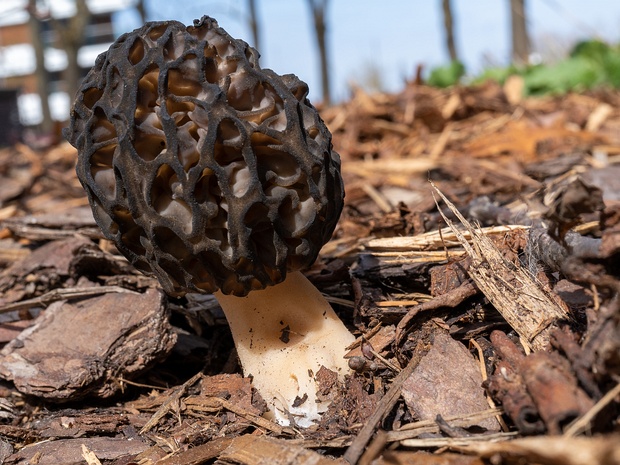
(254, 24)
(47, 125)
(141, 11)
(448, 25)
(520, 38)
(319, 12)
(72, 36)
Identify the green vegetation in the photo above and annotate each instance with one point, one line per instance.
(590, 64)
(446, 76)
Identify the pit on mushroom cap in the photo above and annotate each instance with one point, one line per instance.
(215, 175)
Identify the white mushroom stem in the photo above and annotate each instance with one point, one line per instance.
(283, 335)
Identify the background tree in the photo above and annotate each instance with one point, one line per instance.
(318, 8)
(253, 19)
(448, 25)
(47, 124)
(71, 37)
(520, 38)
(141, 7)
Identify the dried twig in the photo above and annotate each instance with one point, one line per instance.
(217, 403)
(169, 402)
(582, 423)
(357, 447)
(529, 309)
(449, 299)
(63, 294)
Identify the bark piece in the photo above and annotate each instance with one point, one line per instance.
(57, 225)
(602, 350)
(567, 202)
(70, 219)
(256, 450)
(69, 451)
(10, 330)
(9, 189)
(604, 450)
(508, 388)
(448, 277)
(75, 350)
(380, 341)
(539, 385)
(608, 180)
(554, 389)
(233, 388)
(610, 242)
(506, 385)
(75, 424)
(447, 382)
(425, 458)
(42, 270)
(6, 449)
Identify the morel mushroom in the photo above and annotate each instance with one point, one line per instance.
(215, 175)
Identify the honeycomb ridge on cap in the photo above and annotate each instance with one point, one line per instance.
(204, 169)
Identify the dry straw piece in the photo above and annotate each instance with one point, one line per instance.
(525, 305)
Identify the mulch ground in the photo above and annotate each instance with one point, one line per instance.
(477, 261)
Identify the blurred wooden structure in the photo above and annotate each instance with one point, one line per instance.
(17, 55)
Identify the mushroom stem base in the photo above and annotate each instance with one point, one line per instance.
(283, 335)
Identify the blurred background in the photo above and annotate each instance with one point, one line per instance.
(47, 46)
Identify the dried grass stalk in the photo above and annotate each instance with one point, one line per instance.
(530, 309)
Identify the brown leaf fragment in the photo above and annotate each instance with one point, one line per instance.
(81, 349)
(447, 382)
(527, 142)
(69, 451)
